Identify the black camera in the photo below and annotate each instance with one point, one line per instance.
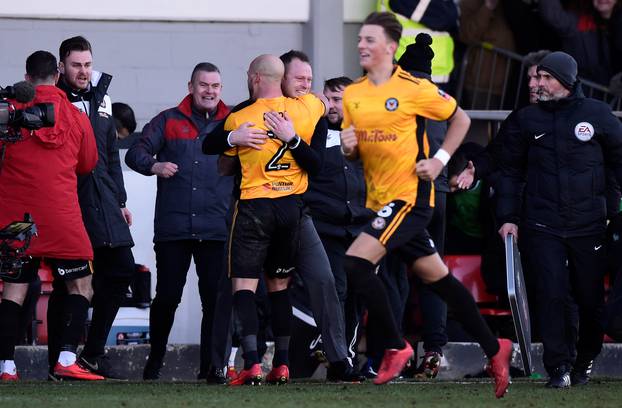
(14, 241)
(31, 118)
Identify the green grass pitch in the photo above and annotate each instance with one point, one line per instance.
(600, 393)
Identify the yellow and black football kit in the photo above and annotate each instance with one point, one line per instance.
(389, 122)
(265, 229)
(272, 171)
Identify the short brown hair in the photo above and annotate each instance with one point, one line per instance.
(388, 21)
(205, 67)
(337, 84)
(78, 43)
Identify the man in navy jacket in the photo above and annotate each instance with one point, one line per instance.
(191, 205)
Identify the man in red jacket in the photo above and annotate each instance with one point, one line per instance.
(39, 176)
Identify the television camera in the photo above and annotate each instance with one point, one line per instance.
(14, 241)
(31, 118)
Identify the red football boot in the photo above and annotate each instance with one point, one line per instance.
(252, 376)
(9, 377)
(75, 372)
(393, 363)
(232, 374)
(278, 375)
(499, 367)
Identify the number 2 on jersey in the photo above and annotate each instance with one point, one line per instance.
(273, 164)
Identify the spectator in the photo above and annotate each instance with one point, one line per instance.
(483, 21)
(191, 204)
(592, 35)
(336, 201)
(102, 200)
(530, 32)
(125, 122)
(417, 60)
(439, 18)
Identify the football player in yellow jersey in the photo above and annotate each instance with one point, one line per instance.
(384, 125)
(265, 228)
(313, 265)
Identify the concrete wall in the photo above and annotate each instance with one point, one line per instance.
(151, 61)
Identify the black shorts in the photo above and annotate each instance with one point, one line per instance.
(62, 269)
(401, 228)
(265, 234)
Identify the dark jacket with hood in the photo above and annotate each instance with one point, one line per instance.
(39, 174)
(101, 192)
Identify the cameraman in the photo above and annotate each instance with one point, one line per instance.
(39, 177)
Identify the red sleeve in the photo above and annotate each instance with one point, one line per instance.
(87, 156)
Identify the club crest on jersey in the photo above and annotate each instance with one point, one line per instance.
(378, 223)
(584, 131)
(391, 104)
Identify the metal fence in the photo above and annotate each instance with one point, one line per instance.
(484, 64)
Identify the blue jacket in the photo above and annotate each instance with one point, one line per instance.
(193, 203)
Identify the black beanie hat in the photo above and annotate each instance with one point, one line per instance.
(418, 56)
(562, 66)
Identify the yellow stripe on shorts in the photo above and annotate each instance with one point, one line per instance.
(399, 217)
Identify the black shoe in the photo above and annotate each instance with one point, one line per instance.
(100, 365)
(152, 369)
(216, 376)
(343, 371)
(559, 378)
(580, 374)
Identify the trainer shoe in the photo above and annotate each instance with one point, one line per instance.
(100, 365)
(75, 372)
(252, 376)
(580, 374)
(393, 363)
(9, 377)
(232, 373)
(559, 378)
(152, 369)
(499, 367)
(216, 375)
(430, 366)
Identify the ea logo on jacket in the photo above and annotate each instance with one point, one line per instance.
(584, 131)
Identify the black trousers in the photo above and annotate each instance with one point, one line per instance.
(113, 269)
(562, 267)
(172, 264)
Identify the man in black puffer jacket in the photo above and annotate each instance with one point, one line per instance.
(102, 200)
(562, 147)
